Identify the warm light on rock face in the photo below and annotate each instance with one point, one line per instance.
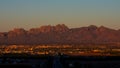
(61, 34)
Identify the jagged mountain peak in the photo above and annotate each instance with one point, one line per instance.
(92, 27)
(49, 28)
(18, 30)
(61, 25)
(103, 28)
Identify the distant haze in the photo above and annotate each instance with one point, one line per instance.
(73, 13)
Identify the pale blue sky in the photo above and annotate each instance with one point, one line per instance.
(74, 13)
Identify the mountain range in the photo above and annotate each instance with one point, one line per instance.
(60, 34)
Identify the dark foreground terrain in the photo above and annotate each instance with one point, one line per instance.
(60, 61)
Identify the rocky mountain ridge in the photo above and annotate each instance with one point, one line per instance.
(60, 34)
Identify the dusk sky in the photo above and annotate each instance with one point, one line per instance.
(73, 13)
